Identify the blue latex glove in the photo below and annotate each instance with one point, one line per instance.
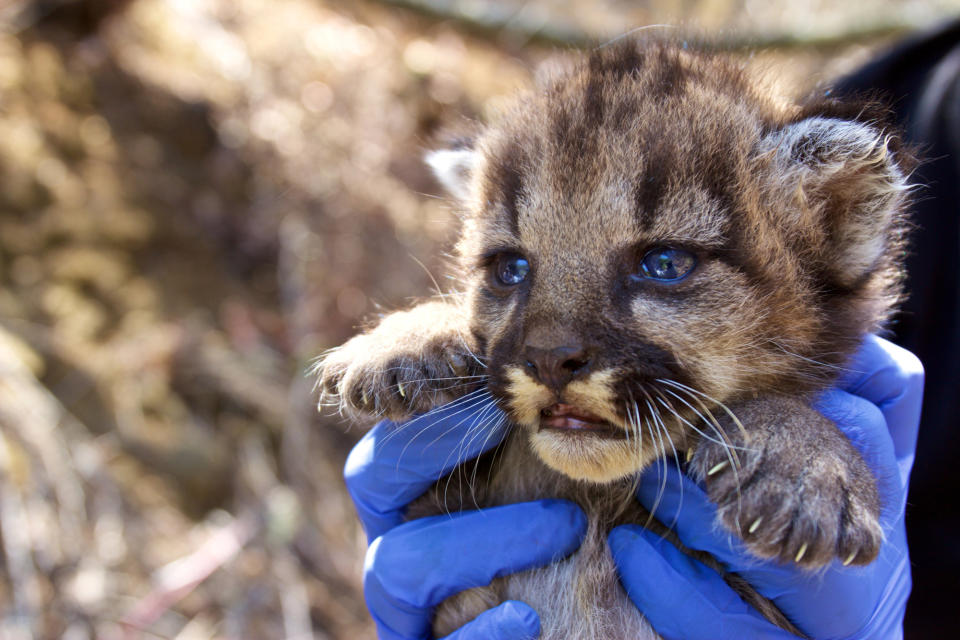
(879, 410)
(413, 566)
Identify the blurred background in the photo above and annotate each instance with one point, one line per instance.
(197, 197)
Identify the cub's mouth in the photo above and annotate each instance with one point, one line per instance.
(577, 430)
(570, 420)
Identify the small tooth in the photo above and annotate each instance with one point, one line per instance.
(803, 550)
(850, 558)
(689, 454)
(717, 467)
(364, 399)
(756, 523)
(403, 394)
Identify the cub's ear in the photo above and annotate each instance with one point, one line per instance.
(454, 169)
(844, 178)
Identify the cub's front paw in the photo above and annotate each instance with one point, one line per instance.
(797, 491)
(412, 362)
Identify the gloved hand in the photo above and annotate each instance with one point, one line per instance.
(879, 410)
(413, 566)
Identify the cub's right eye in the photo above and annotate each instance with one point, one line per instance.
(510, 269)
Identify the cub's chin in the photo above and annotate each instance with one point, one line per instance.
(596, 452)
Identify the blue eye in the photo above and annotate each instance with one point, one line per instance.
(511, 269)
(664, 263)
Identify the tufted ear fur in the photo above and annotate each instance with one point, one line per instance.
(844, 174)
(454, 169)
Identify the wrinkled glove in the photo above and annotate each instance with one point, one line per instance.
(879, 410)
(413, 566)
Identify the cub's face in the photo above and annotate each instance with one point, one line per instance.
(649, 237)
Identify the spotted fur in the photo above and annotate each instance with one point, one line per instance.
(795, 214)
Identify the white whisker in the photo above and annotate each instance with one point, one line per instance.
(661, 450)
(728, 448)
(676, 458)
(704, 435)
(456, 403)
(478, 427)
(726, 409)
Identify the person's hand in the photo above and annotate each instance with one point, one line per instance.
(413, 566)
(879, 410)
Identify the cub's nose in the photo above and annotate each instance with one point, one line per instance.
(557, 366)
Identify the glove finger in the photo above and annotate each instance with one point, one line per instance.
(679, 595)
(683, 505)
(419, 564)
(829, 603)
(511, 620)
(891, 378)
(864, 424)
(396, 462)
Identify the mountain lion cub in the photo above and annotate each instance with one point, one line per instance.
(660, 258)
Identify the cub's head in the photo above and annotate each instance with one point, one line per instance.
(650, 234)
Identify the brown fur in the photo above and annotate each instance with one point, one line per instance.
(794, 213)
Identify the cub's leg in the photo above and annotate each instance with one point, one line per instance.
(409, 363)
(799, 491)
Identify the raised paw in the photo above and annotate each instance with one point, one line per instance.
(795, 490)
(413, 361)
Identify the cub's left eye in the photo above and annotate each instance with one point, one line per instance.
(511, 269)
(666, 263)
